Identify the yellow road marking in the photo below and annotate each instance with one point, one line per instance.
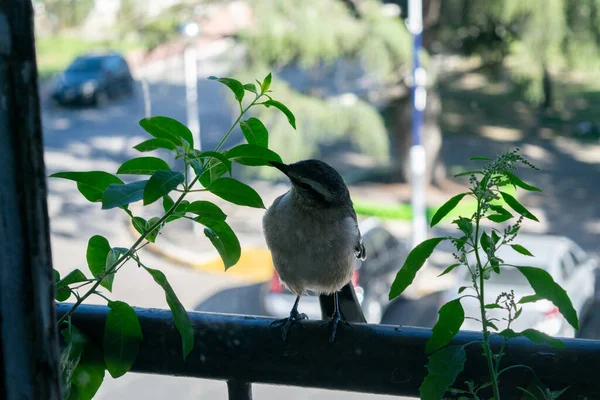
(255, 265)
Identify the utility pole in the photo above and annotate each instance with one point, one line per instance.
(419, 100)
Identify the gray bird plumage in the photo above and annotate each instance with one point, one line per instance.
(312, 232)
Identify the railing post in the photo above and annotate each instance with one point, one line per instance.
(239, 390)
(28, 335)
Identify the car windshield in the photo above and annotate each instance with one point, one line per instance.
(86, 65)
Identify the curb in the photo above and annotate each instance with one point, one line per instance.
(246, 269)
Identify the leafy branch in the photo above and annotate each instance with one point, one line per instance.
(122, 333)
(476, 250)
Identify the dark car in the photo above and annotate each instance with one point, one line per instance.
(372, 278)
(93, 79)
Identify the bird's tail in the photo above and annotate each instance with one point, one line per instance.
(349, 306)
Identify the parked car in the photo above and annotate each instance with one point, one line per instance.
(564, 260)
(372, 278)
(94, 79)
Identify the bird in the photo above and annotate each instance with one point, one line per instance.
(313, 235)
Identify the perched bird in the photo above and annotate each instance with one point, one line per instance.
(314, 239)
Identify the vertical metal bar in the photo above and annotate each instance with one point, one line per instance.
(239, 390)
(417, 150)
(28, 333)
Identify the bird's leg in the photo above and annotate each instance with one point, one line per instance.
(336, 318)
(294, 318)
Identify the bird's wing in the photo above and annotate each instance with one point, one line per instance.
(359, 249)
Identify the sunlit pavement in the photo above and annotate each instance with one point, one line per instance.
(91, 139)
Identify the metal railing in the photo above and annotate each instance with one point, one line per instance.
(369, 358)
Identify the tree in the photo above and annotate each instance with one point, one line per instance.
(542, 36)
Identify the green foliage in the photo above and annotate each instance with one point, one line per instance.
(180, 316)
(442, 369)
(83, 365)
(445, 364)
(412, 265)
(538, 34)
(122, 338)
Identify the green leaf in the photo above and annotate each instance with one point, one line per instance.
(89, 374)
(223, 239)
(217, 158)
(97, 251)
(451, 317)
(412, 265)
(70, 356)
(74, 276)
(143, 166)
(180, 316)
(206, 209)
(153, 144)
(168, 129)
(140, 224)
(118, 195)
(236, 86)
(283, 109)
(520, 249)
(486, 243)
(152, 235)
(468, 173)
(90, 184)
(535, 336)
(160, 184)
(498, 218)
(255, 132)
(197, 167)
(449, 269)
(442, 370)
(167, 203)
(479, 159)
(495, 237)
(111, 258)
(266, 84)
(465, 225)
(545, 287)
(122, 338)
(462, 289)
(213, 174)
(446, 208)
(251, 87)
(236, 192)
(82, 366)
(515, 205)
(62, 286)
(532, 298)
(515, 180)
(251, 154)
(492, 306)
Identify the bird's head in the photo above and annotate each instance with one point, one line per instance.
(316, 183)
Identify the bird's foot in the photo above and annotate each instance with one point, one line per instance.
(287, 323)
(335, 321)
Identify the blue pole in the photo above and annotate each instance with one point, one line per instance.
(419, 99)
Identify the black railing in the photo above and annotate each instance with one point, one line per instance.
(365, 358)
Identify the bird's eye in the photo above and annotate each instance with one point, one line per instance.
(304, 185)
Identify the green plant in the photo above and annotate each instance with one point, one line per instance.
(82, 362)
(488, 185)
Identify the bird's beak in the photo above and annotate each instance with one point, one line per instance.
(280, 166)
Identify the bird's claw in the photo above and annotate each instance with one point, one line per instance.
(335, 321)
(287, 323)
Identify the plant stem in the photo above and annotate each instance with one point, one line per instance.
(133, 249)
(235, 123)
(125, 257)
(486, 334)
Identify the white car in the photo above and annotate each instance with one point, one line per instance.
(566, 262)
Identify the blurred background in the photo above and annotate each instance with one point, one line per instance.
(499, 75)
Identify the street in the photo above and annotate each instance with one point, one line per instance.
(83, 139)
